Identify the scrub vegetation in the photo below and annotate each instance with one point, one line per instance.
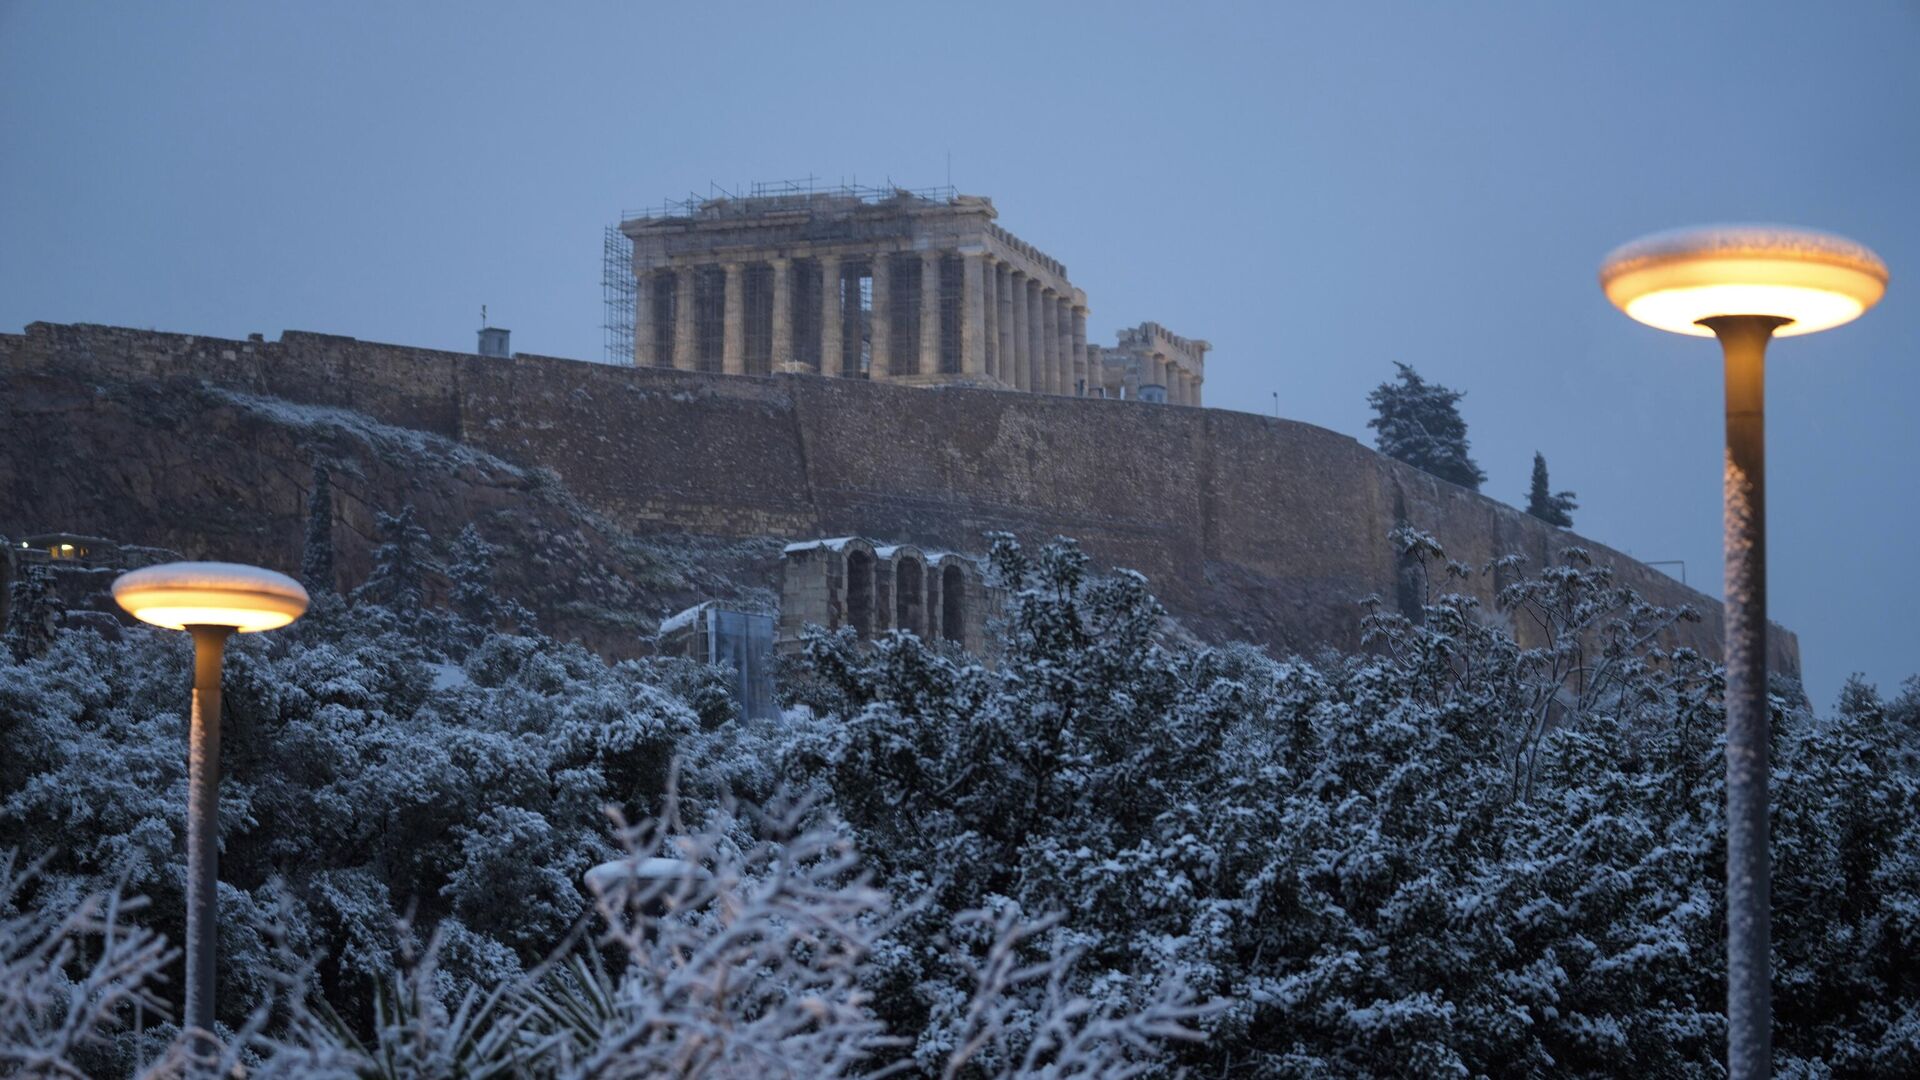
(1114, 853)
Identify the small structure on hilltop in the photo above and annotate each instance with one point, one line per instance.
(874, 588)
(915, 287)
(75, 571)
(1151, 363)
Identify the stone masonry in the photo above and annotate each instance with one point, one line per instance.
(1249, 527)
(891, 286)
(1150, 363)
(873, 588)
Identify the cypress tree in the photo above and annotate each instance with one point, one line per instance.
(316, 561)
(1555, 507)
(471, 569)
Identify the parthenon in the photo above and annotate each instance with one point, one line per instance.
(921, 288)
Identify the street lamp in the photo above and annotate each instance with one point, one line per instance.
(208, 600)
(1745, 284)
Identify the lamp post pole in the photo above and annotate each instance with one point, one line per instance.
(1745, 284)
(210, 601)
(203, 826)
(1743, 340)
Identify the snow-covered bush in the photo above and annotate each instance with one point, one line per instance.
(1457, 854)
(367, 776)
(751, 963)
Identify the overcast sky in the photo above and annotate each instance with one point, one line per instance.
(1319, 190)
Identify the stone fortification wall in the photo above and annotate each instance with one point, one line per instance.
(1249, 527)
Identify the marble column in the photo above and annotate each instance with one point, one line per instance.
(685, 341)
(645, 338)
(1049, 342)
(1022, 340)
(882, 318)
(990, 316)
(832, 332)
(1063, 319)
(1193, 392)
(1036, 338)
(973, 315)
(930, 312)
(733, 332)
(1082, 371)
(783, 315)
(1003, 299)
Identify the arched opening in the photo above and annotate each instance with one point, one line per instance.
(953, 604)
(909, 591)
(860, 592)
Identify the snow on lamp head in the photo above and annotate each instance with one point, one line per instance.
(1675, 280)
(183, 594)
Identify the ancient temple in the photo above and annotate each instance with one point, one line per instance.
(922, 288)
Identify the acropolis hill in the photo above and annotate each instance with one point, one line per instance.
(1248, 527)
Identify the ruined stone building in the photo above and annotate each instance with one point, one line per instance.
(1150, 363)
(873, 588)
(921, 288)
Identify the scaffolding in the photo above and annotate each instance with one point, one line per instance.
(903, 318)
(618, 290)
(757, 306)
(709, 319)
(951, 271)
(755, 197)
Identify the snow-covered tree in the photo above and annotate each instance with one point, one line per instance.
(1552, 507)
(471, 569)
(316, 558)
(73, 970)
(400, 564)
(1456, 852)
(1419, 422)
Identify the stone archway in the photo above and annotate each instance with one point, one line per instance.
(953, 604)
(909, 595)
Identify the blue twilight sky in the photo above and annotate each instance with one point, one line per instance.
(1318, 189)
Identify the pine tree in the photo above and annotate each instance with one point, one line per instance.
(400, 564)
(1419, 422)
(1556, 508)
(316, 562)
(471, 569)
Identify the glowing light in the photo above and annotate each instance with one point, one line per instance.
(179, 595)
(1673, 280)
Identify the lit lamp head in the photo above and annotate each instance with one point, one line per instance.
(1674, 280)
(183, 594)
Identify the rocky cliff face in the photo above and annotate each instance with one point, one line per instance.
(212, 473)
(621, 493)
